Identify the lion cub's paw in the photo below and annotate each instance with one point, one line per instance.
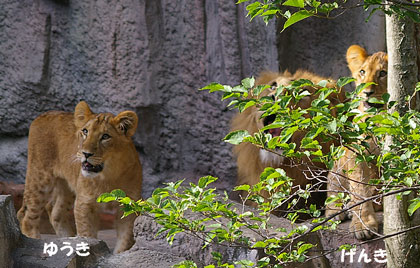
(364, 228)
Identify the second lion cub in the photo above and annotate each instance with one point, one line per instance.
(364, 68)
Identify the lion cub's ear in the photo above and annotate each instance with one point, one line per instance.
(356, 55)
(82, 113)
(126, 122)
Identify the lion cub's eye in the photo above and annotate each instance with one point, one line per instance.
(85, 131)
(382, 73)
(362, 72)
(105, 137)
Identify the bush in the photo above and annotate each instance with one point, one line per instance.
(222, 222)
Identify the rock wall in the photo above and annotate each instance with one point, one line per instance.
(320, 45)
(151, 57)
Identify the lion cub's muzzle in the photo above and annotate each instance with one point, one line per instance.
(90, 163)
(367, 104)
(86, 166)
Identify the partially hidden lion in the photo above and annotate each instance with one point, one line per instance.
(72, 159)
(346, 174)
(251, 160)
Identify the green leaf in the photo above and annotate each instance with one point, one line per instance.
(213, 87)
(239, 88)
(118, 193)
(415, 204)
(248, 82)
(331, 199)
(270, 12)
(236, 137)
(205, 181)
(246, 263)
(258, 89)
(186, 264)
(386, 97)
(294, 3)
(126, 200)
(244, 187)
(322, 83)
(105, 198)
(246, 105)
(263, 262)
(296, 17)
(259, 244)
(361, 87)
(342, 81)
(302, 249)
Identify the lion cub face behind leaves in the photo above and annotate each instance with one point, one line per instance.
(72, 159)
(368, 68)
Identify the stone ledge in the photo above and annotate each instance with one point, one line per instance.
(31, 253)
(151, 251)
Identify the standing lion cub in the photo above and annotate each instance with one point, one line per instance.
(72, 159)
(347, 175)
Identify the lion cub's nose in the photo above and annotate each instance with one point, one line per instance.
(87, 155)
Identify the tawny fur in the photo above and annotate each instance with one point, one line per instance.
(364, 68)
(251, 161)
(55, 180)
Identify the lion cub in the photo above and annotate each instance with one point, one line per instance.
(364, 68)
(72, 159)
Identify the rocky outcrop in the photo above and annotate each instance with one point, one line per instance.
(59, 253)
(140, 257)
(10, 236)
(151, 56)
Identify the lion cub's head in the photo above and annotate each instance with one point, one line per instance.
(104, 139)
(368, 68)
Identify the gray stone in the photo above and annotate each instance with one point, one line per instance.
(140, 257)
(32, 254)
(13, 160)
(320, 45)
(10, 236)
(331, 240)
(17, 250)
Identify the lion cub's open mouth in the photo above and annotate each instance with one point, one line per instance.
(273, 131)
(86, 166)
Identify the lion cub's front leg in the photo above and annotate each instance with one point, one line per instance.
(124, 228)
(364, 222)
(86, 216)
(58, 208)
(352, 179)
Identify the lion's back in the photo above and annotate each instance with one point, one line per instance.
(51, 141)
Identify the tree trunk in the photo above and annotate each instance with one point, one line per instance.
(402, 250)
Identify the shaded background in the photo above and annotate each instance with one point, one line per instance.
(151, 56)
